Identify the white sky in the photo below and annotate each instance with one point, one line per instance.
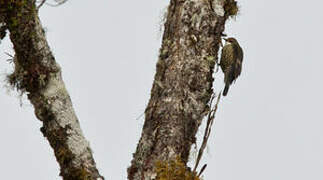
(269, 127)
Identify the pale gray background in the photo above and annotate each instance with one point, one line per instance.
(269, 127)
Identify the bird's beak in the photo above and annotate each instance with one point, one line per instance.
(225, 39)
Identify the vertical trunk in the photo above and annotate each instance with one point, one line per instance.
(38, 75)
(182, 86)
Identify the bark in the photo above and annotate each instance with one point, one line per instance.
(182, 86)
(3, 27)
(39, 76)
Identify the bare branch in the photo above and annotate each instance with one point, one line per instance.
(207, 132)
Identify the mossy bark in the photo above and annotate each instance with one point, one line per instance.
(39, 76)
(182, 86)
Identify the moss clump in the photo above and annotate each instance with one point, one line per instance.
(28, 77)
(231, 8)
(164, 51)
(80, 174)
(210, 60)
(174, 170)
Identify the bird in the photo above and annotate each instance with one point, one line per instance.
(231, 62)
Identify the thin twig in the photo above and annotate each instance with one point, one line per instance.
(207, 132)
(202, 169)
(41, 4)
(58, 3)
(140, 116)
(8, 54)
(11, 59)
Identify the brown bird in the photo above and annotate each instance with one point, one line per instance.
(231, 62)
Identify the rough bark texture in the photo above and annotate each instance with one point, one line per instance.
(182, 85)
(39, 76)
(3, 27)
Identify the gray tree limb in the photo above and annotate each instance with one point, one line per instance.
(39, 76)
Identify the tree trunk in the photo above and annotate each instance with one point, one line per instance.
(39, 76)
(182, 86)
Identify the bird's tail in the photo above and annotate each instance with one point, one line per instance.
(226, 89)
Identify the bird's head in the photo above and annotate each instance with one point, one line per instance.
(231, 40)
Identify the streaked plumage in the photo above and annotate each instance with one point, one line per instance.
(231, 62)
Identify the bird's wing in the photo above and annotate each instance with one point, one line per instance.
(237, 68)
(238, 61)
(226, 57)
(240, 51)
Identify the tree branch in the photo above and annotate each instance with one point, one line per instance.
(182, 86)
(39, 76)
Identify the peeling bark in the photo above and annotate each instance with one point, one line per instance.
(182, 86)
(39, 76)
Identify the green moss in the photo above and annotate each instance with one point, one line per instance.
(31, 79)
(164, 53)
(63, 156)
(14, 22)
(83, 174)
(174, 170)
(14, 10)
(165, 49)
(210, 60)
(231, 8)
